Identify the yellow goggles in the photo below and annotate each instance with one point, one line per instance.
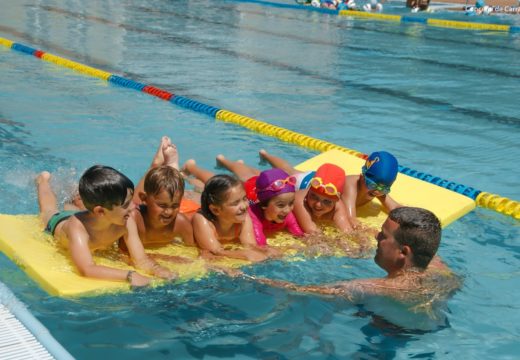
(329, 189)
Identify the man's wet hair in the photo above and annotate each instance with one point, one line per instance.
(164, 178)
(104, 186)
(419, 229)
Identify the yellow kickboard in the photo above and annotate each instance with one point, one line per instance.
(22, 239)
(446, 204)
(24, 242)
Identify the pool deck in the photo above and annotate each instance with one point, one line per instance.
(22, 336)
(17, 342)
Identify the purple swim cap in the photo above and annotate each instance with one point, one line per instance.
(272, 182)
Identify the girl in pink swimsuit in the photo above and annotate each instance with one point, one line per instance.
(271, 195)
(273, 203)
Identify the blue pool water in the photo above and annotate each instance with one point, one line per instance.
(443, 101)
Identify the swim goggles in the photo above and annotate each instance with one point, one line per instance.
(329, 189)
(372, 185)
(279, 184)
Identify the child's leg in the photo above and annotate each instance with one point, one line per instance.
(74, 202)
(190, 168)
(277, 162)
(46, 199)
(243, 171)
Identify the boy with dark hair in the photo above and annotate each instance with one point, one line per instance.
(107, 195)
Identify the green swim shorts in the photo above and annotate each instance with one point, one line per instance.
(56, 219)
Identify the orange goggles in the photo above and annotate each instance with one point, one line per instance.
(279, 184)
(329, 189)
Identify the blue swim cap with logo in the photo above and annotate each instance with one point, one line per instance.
(381, 167)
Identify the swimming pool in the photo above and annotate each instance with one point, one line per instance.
(442, 100)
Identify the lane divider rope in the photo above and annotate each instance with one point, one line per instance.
(487, 200)
(452, 24)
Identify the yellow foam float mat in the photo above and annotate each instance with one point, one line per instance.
(24, 242)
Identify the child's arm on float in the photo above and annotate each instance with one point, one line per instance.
(205, 237)
(251, 230)
(341, 219)
(389, 203)
(247, 238)
(302, 215)
(138, 255)
(258, 229)
(349, 198)
(78, 240)
(292, 225)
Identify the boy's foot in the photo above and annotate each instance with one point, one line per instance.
(171, 156)
(42, 177)
(158, 158)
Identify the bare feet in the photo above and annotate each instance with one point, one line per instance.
(166, 154)
(171, 156)
(263, 156)
(187, 169)
(225, 163)
(220, 160)
(42, 177)
(158, 158)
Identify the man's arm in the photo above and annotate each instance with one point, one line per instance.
(302, 215)
(352, 290)
(317, 289)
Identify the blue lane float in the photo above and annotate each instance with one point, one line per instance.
(124, 82)
(195, 105)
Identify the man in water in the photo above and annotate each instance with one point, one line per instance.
(406, 247)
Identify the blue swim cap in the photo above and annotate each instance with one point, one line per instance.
(381, 167)
(480, 3)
